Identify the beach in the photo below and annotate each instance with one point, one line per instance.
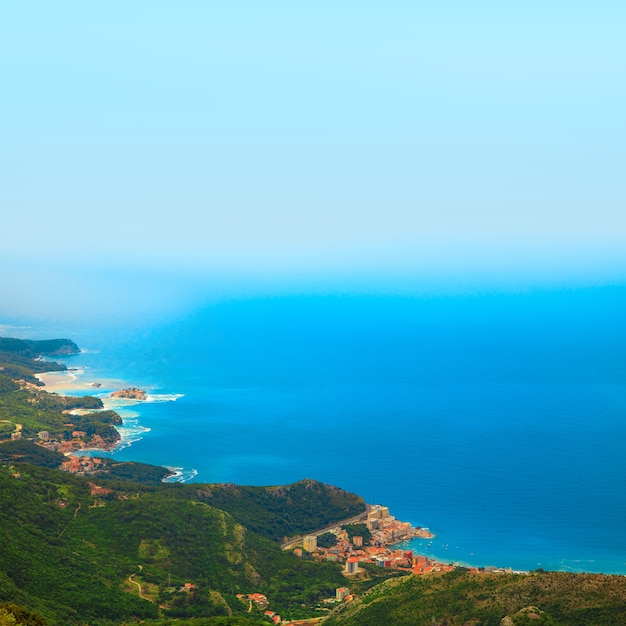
(77, 381)
(58, 382)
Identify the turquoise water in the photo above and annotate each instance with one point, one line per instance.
(498, 420)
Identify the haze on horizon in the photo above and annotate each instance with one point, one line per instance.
(149, 148)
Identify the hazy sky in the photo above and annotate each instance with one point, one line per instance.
(394, 140)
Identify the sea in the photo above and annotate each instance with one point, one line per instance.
(497, 419)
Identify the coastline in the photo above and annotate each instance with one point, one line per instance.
(80, 379)
(377, 538)
(73, 382)
(55, 382)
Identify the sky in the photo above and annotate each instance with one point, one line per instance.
(319, 145)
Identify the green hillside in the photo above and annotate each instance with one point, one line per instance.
(20, 358)
(76, 551)
(32, 348)
(277, 512)
(463, 598)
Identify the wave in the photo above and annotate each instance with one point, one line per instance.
(163, 397)
(180, 475)
(115, 403)
(576, 565)
(128, 414)
(130, 432)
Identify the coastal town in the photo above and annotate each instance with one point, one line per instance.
(376, 543)
(85, 429)
(377, 547)
(369, 540)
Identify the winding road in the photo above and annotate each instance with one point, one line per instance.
(130, 579)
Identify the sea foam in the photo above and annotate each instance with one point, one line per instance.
(180, 475)
(163, 397)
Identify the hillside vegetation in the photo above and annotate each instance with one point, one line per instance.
(274, 512)
(70, 547)
(20, 358)
(462, 598)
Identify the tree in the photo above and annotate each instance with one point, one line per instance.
(7, 619)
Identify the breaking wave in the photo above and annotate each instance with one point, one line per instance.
(180, 475)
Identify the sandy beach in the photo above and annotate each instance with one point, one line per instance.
(72, 380)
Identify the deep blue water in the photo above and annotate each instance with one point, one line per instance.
(498, 420)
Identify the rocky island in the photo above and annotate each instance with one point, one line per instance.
(131, 393)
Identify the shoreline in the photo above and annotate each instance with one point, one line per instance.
(60, 381)
(68, 381)
(71, 382)
(77, 380)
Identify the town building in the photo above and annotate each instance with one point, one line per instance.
(341, 593)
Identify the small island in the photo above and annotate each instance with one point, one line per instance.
(131, 393)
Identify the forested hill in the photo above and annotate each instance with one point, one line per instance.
(74, 549)
(20, 358)
(462, 598)
(276, 512)
(32, 348)
(26, 410)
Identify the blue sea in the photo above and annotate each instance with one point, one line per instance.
(497, 420)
